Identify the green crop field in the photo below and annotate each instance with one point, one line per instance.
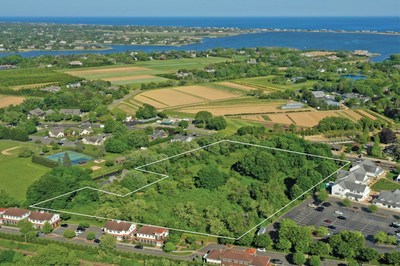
(141, 72)
(27, 76)
(16, 174)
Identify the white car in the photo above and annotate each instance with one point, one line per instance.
(312, 205)
(398, 234)
(261, 249)
(339, 212)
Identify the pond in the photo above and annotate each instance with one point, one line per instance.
(354, 77)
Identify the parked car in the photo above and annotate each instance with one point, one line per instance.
(395, 224)
(97, 241)
(320, 209)
(326, 204)
(138, 246)
(261, 249)
(276, 261)
(64, 225)
(339, 212)
(332, 227)
(327, 221)
(342, 218)
(312, 205)
(81, 229)
(398, 234)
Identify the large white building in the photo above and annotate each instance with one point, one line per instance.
(119, 229)
(150, 235)
(354, 184)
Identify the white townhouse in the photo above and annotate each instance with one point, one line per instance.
(151, 235)
(57, 132)
(14, 215)
(119, 229)
(38, 219)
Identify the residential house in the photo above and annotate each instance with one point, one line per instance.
(353, 184)
(51, 89)
(388, 199)
(262, 230)
(70, 111)
(38, 219)
(332, 103)
(14, 215)
(158, 134)
(151, 235)
(36, 113)
(57, 132)
(75, 63)
(233, 257)
(73, 85)
(319, 94)
(97, 140)
(2, 210)
(119, 229)
(80, 131)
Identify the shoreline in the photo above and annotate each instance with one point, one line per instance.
(202, 39)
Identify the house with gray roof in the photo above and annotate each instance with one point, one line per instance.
(57, 132)
(96, 140)
(354, 184)
(388, 199)
(318, 94)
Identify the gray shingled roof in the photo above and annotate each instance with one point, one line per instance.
(387, 197)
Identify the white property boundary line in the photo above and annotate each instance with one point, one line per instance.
(35, 206)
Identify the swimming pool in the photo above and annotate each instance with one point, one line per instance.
(76, 157)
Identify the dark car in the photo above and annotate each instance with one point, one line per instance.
(332, 227)
(342, 218)
(64, 225)
(276, 261)
(138, 246)
(320, 209)
(80, 228)
(97, 241)
(326, 204)
(327, 221)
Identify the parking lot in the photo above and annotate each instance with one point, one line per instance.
(95, 229)
(358, 218)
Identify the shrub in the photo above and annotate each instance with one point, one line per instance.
(69, 234)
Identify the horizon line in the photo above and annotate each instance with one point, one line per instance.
(179, 16)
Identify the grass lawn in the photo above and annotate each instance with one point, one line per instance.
(384, 184)
(234, 124)
(17, 174)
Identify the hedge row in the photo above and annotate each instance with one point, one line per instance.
(44, 161)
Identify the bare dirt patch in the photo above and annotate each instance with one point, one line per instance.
(280, 119)
(237, 86)
(9, 100)
(104, 70)
(143, 99)
(6, 152)
(129, 78)
(310, 119)
(94, 168)
(255, 118)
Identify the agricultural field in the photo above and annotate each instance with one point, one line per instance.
(10, 100)
(311, 119)
(31, 77)
(266, 84)
(16, 174)
(181, 96)
(142, 72)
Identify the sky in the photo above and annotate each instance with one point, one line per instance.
(191, 8)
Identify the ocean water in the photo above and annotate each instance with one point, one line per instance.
(331, 23)
(382, 44)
